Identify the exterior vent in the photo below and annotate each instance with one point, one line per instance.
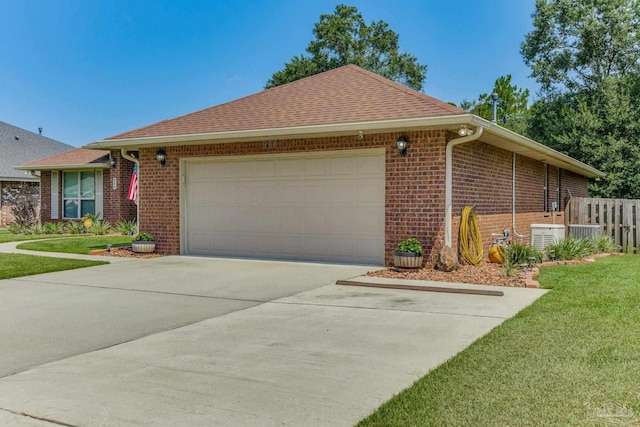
(584, 231)
(542, 235)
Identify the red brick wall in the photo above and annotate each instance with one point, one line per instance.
(572, 184)
(116, 205)
(13, 193)
(414, 203)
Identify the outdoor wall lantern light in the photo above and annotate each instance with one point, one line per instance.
(112, 161)
(402, 144)
(161, 156)
(464, 131)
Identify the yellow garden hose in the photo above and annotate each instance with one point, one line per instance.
(470, 239)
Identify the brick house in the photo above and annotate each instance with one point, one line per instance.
(311, 170)
(18, 146)
(82, 181)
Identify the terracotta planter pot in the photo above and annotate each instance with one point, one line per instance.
(407, 260)
(143, 247)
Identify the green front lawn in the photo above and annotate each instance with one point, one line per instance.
(18, 265)
(77, 245)
(6, 236)
(570, 359)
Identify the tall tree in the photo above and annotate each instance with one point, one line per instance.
(576, 44)
(601, 127)
(345, 38)
(586, 56)
(512, 108)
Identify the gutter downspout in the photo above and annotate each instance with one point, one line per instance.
(448, 180)
(34, 174)
(128, 156)
(513, 200)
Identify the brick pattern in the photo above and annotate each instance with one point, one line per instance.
(13, 193)
(116, 205)
(414, 204)
(571, 184)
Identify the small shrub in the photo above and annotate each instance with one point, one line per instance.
(519, 253)
(26, 213)
(604, 244)
(128, 228)
(570, 248)
(53, 228)
(34, 229)
(73, 227)
(100, 227)
(144, 237)
(412, 245)
(15, 229)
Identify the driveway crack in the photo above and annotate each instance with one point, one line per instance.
(46, 420)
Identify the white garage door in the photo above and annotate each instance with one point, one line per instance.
(324, 207)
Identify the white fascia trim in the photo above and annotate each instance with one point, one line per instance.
(289, 132)
(451, 122)
(64, 167)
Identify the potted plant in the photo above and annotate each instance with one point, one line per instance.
(408, 254)
(143, 243)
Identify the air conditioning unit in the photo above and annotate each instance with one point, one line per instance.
(542, 235)
(580, 231)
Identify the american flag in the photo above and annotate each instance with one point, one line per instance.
(133, 185)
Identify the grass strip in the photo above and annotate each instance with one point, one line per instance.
(571, 359)
(77, 245)
(19, 265)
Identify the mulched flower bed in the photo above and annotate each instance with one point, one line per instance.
(125, 252)
(484, 274)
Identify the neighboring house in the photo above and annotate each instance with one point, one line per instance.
(82, 181)
(311, 170)
(18, 146)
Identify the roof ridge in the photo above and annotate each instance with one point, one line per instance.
(405, 89)
(32, 133)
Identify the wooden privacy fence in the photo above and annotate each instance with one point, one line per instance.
(618, 218)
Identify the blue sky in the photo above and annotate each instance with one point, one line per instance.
(89, 69)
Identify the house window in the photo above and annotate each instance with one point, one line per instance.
(79, 193)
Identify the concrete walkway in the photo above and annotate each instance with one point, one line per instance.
(182, 341)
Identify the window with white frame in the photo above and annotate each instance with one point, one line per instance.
(78, 193)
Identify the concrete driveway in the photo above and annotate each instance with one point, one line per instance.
(194, 341)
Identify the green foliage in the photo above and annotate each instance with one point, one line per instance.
(74, 227)
(53, 228)
(127, 227)
(604, 244)
(586, 56)
(345, 38)
(100, 227)
(570, 248)
(25, 213)
(519, 253)
(144, 237)
(15, 229)
(34, 229)
(411, 245)
(599, 127)
(577, 45)
(512, 109)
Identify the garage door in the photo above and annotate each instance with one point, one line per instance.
(320, 207)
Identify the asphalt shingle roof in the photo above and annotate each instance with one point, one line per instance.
(18, 146)
(343, 95)
(79, 156)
